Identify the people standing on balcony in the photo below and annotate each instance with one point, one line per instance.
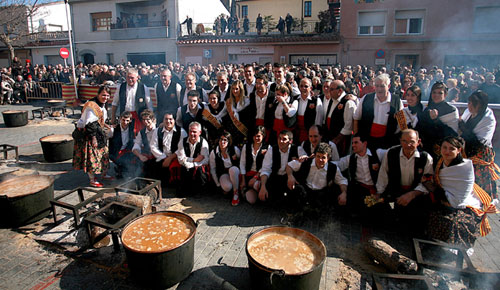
(289, 23)
(230, 24)
(223, 24)
(259, 24)
(281, 26)
(246, 24)
(189, 24)
(236, 24)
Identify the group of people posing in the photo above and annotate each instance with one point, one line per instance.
(424, 169)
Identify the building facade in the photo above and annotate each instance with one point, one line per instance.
(117, 31)
(420, 33)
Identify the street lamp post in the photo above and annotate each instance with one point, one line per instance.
(68, 16)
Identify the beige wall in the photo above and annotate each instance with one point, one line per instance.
(278, 8)
(447, 30)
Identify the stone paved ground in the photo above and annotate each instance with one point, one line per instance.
(220, 259)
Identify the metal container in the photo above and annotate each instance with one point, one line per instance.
(266, 277)
(15, 118)
(57, 147)
(163, 268)
(25, 199)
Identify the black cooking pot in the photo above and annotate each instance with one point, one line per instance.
(164, 268)
(25, 199)
(15, 118)
(57, 147)
(264, 276)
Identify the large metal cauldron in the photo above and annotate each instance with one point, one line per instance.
(285, 258)
(25, 199)
(57, 147)
(15, 118)
(155, 265)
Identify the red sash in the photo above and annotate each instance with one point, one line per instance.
(175, 171)
(253, 174)
(378, 130)
(259, 122)
(301, 129)
(328, 121)
(138, 125)
(279, 125)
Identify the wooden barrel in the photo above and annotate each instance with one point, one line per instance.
(15, 118)
(25, 199)
(58, 147)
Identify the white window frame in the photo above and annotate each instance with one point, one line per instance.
(373, 25)
(480, 18)
(408, 18)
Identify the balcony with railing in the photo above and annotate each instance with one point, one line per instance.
(139, 30)
(140, 20)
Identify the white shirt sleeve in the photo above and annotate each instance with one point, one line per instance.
(137, 142)
(243, 162)
(147, 96)
(382, 179)
(178, 119)
(339, 178)
(294, 165)
(348, 117)
(116, 97)
(335, 152)
(267, 164)
(359, 110)
(343, 163)
(213, 170)
(319, 112)
(155, 149)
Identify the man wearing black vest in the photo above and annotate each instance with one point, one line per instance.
(190, 112)
(262, 106)
(165, 141)
(168, 95)
(222, 85)
(361, 169)
(133, 97)
(309, 112)
(374, 116)
(249, 84)
(190, 85)
(339, 117)
(279, 77)
(273, 171)
(312, 183)
(193, 157)
(309, 147)
(142, 143)
(120, 146)
(400, 181)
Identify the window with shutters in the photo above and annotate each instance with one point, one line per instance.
(409, 22)
(371, 23)
(101, 21)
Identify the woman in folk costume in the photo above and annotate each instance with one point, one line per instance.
(237, 116)
(413, 112)
(212, 117)
(439, 120)
(252, 157)
(477, 126)
(224, 162)
(460, 206)
(285, 114)
(91, 151)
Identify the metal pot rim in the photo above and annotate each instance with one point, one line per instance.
(272, 270)
(169, 212)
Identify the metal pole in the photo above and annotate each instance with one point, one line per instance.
(68, 16)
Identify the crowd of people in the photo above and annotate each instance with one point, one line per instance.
(307, 138)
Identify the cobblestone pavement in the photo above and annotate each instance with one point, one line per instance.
(220, 258)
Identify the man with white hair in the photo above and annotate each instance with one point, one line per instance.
(168, 94)
(131, 96)
(193, 157)
(375, 115)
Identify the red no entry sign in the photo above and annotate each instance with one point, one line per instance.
(64, 52)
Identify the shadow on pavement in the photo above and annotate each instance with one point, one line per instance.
(217, 278)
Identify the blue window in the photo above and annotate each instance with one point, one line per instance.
(244, 11)
(307, 8)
